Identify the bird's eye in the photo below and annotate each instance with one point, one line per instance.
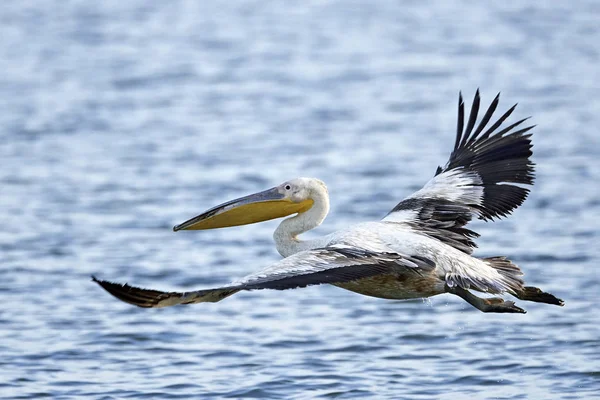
(287, 187)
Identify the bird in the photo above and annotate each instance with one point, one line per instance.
(421, 248)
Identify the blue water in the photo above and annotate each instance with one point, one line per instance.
(120, 119)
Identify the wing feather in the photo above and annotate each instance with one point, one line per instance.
(334, 264)
(481, 179)
(472, 119)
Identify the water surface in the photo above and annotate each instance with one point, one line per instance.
(120, 119)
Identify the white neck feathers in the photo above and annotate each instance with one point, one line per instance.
(286, 234)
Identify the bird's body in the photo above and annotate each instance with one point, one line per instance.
(383, 237)
(420, 249)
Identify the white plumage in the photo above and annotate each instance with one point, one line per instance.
(420, 249)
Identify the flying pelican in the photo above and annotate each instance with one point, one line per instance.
(421, 248)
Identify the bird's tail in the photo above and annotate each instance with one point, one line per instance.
(512, 275)
(531, 293)
(149, 298)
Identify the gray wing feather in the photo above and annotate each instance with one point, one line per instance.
(334, 264)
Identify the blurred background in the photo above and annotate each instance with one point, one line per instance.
(120, 119)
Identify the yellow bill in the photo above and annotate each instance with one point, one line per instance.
(257, 207)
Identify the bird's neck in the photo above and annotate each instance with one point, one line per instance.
(286, 234)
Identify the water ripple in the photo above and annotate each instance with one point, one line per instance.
(120, 119)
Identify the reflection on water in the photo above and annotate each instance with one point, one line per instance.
(120, 119)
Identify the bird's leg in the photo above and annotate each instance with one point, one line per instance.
(493, 304)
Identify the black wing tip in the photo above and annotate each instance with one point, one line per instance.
(464, 135)
(105, 284)
(477, 93)
(500, 156)
(128, 294)
(460, 121)
(465, 139)
(109, 286)
(495, 102)
(472, 115)
(512, 108)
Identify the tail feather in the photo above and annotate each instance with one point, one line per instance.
(512, 276)
(531, 293)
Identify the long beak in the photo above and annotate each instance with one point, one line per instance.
(257, 207)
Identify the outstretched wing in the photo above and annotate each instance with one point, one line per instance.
(334, 264)
(481, 178)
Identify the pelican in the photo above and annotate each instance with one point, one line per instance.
(421, 248)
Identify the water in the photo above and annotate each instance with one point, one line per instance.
(119, 119)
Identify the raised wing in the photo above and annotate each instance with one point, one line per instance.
(334, 264)
(481, 178)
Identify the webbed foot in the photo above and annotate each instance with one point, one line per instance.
(492, 305)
